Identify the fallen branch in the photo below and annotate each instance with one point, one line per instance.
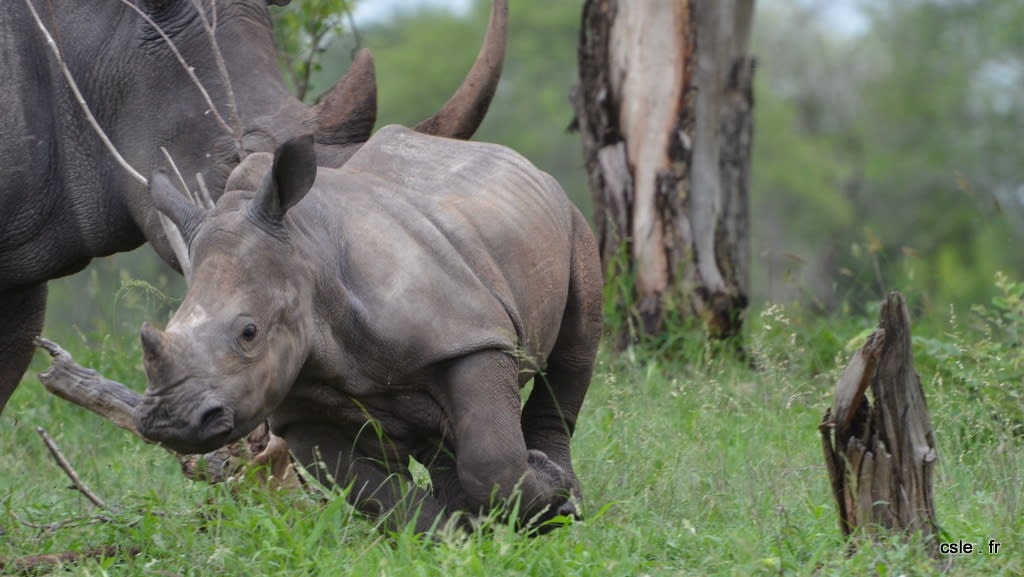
(257, 452)
(65, 523)
(70, 471)
(35, 563)
(86, 388)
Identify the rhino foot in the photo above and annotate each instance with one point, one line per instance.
(566, 496)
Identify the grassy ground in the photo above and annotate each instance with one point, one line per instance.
(692, 464)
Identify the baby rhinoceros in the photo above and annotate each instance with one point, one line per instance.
(389, 309)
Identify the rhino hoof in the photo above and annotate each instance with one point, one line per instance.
(553, 474)
(564, 504)
(568, 509)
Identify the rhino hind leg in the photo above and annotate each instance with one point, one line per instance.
(21, 320)
(492, 460)
(549, 415)
(381, 486)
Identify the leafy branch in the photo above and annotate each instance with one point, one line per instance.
(302, 31)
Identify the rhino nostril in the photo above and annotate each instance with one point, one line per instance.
(213, 420)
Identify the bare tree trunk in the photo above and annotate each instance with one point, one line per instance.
(880, 458)
(665, 110)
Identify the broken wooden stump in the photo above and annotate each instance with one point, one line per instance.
(260, 451)
(880, 454)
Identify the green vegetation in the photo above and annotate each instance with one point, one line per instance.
(887, 159)
(692, 464)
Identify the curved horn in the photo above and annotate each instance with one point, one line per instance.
(179, 218)
(348, 111)
(465, 110)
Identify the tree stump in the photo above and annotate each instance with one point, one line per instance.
(881, 456)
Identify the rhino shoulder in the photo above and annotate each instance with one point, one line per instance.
(403, 155)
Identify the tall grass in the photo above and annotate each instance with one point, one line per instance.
(692, 463)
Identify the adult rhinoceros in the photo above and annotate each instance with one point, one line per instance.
(392, 308)
(63, 198)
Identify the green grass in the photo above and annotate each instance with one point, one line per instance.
(692, 463)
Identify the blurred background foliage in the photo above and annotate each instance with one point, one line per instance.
(886, 150)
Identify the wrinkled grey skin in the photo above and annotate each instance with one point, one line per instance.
(63, 198)
(393, 310)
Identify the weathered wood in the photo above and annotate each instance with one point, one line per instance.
(881, 456)
(87, 388)
(37, 564)
(259, 451)
(664, 107)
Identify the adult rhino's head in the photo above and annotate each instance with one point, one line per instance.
(267, 114)
(233, 349)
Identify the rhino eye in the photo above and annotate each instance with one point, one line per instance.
(249, 332)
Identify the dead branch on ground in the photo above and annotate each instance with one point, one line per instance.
(259, 452)
(62, 461)
(34, 564)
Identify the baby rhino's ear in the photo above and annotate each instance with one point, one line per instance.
(288, 181)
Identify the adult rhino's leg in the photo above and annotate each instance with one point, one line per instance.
(481, 394)
(21, 320)
(376, 469)
(549, 415)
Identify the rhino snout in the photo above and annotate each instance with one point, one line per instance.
(200, 429)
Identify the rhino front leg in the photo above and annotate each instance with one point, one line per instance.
(491, 457)
(21, 320)
(377, 470)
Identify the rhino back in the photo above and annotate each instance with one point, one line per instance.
(451, 246)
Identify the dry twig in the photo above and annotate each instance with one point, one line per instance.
(64, 523)
(81, 99)
(70, 471)
(218, 57)
(191, 71)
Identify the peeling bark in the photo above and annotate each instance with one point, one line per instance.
(664, 107)
(880, 457)
(258, 452)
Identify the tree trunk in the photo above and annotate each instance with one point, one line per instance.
(665, 110)
(880, 458)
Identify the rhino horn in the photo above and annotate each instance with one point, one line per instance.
(178, 215)
(288, 181)
(347, 113)
(463, 113)
(152, 342)
(173, 204)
